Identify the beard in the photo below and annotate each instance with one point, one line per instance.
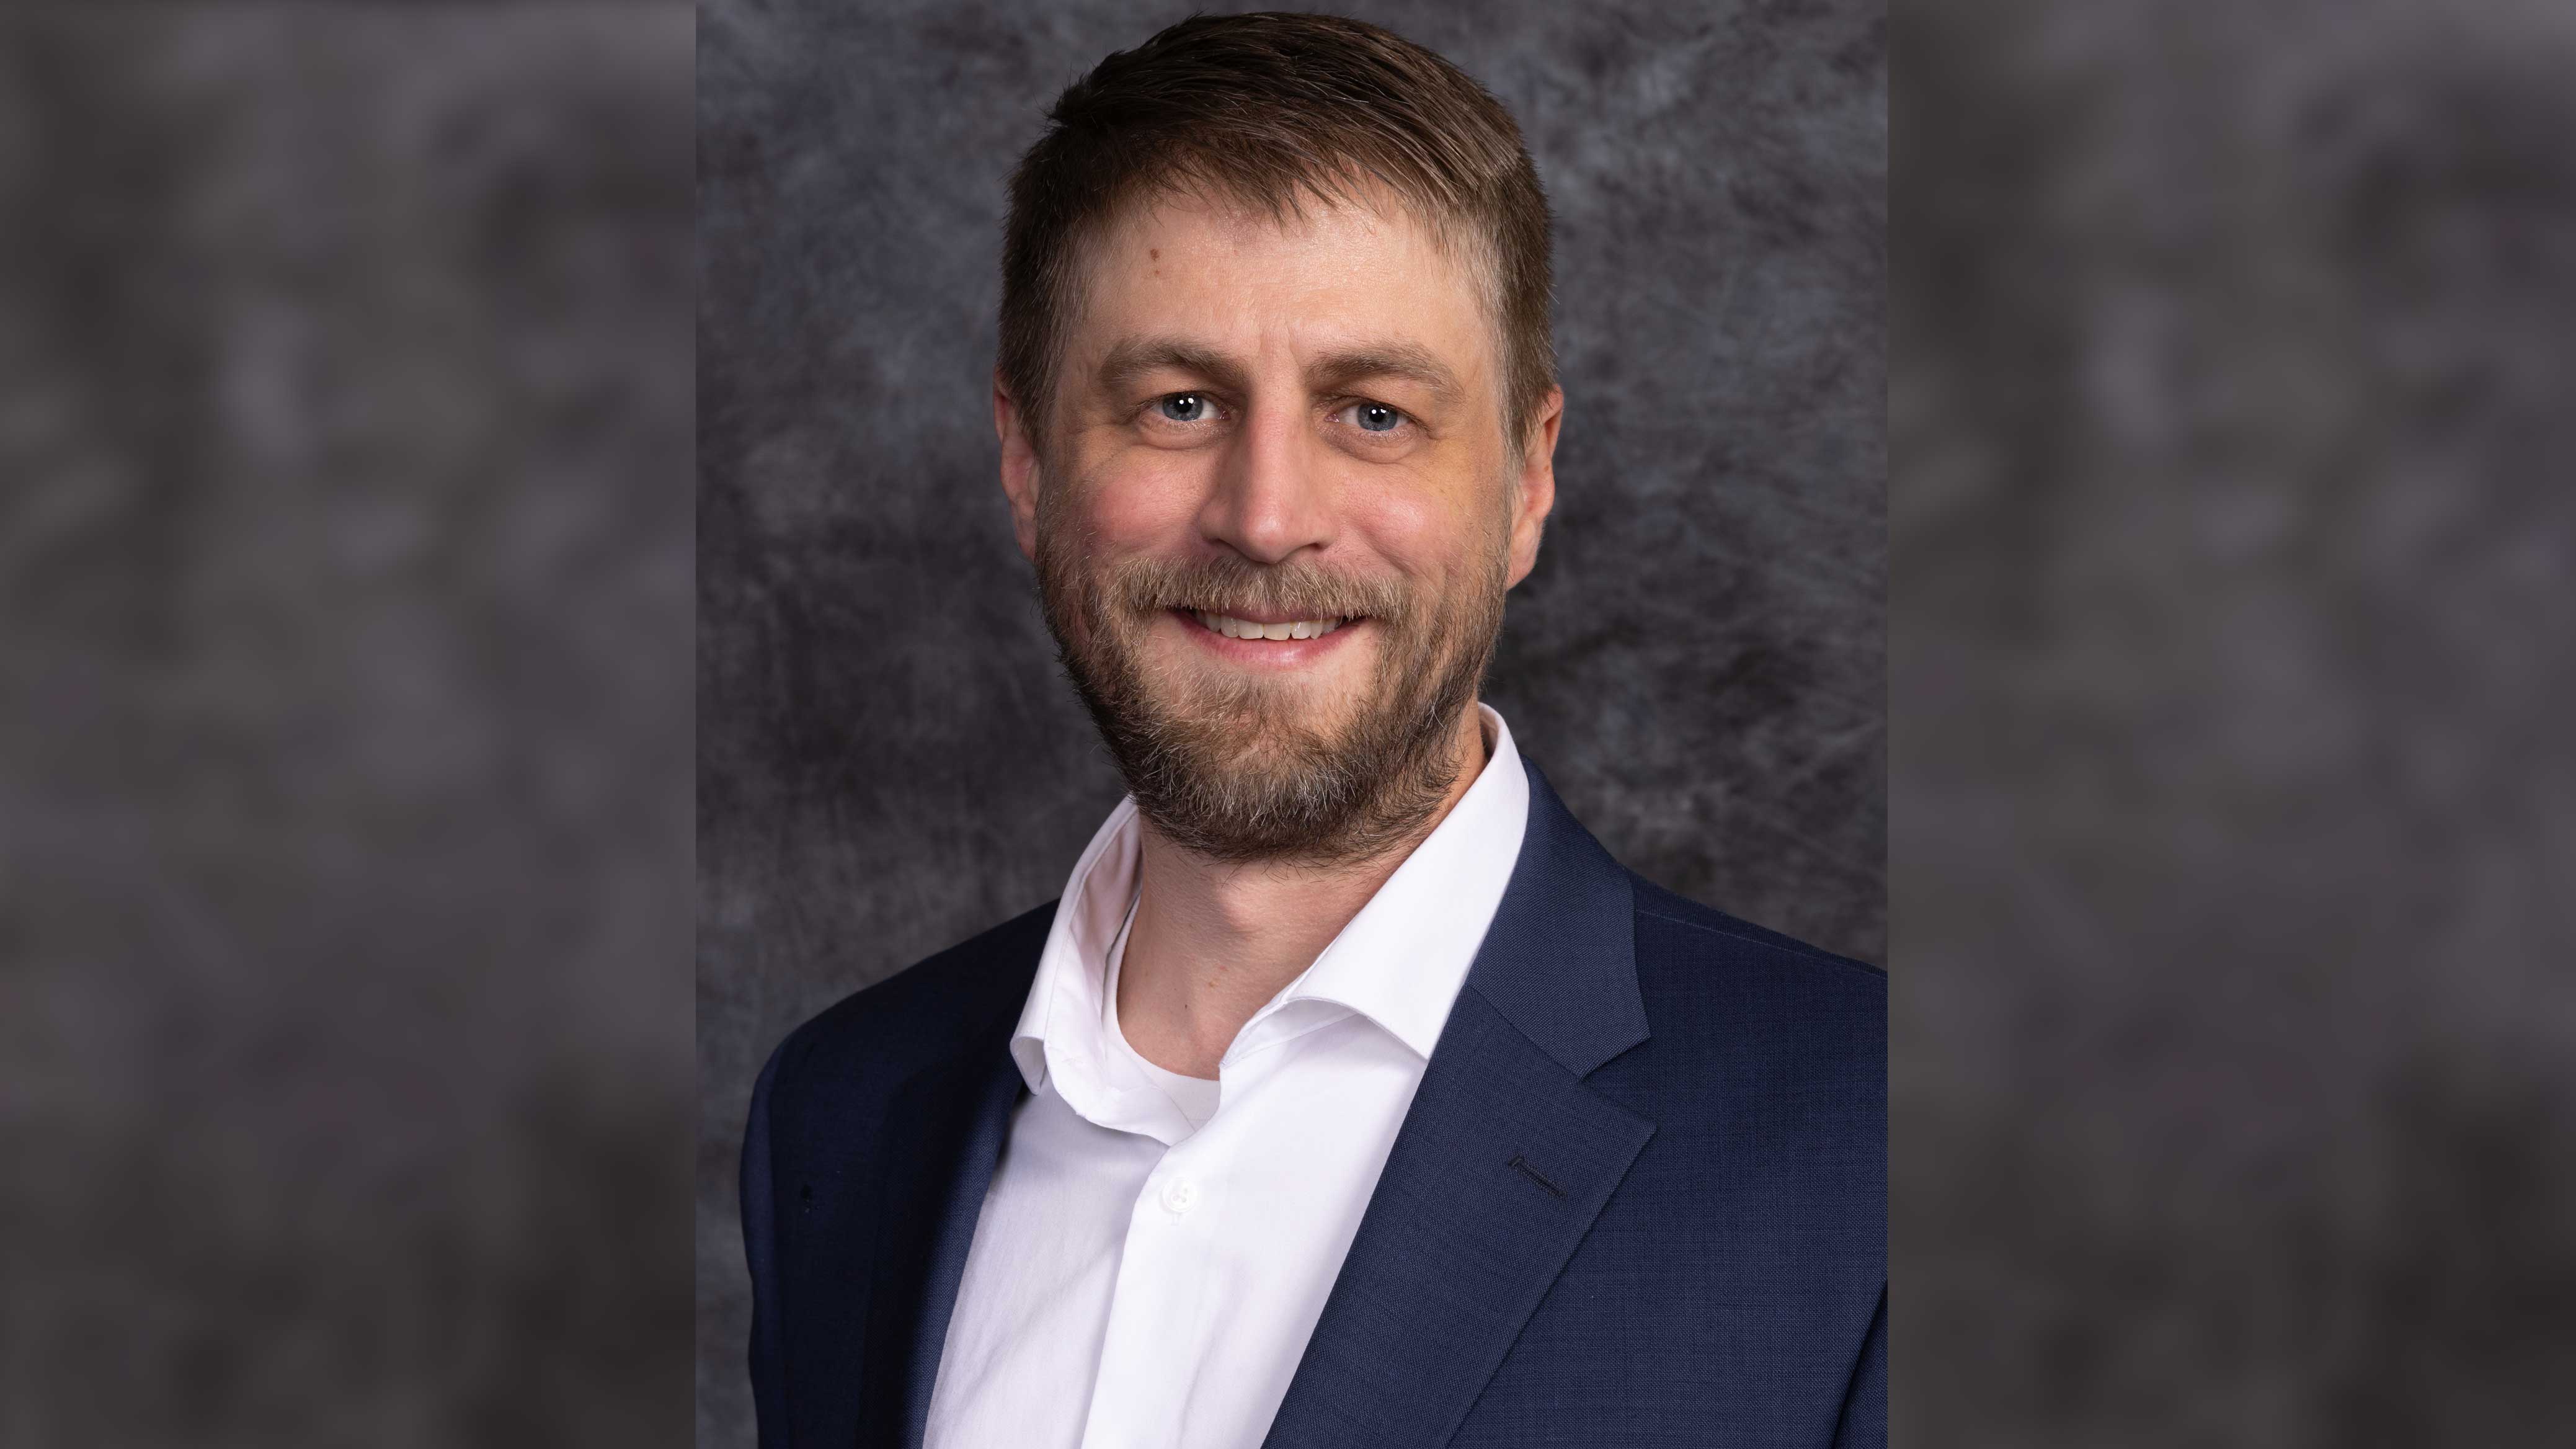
(1255, 769)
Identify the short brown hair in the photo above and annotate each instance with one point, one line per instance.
(1257, 110)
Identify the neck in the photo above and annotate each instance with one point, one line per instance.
(1213, 941)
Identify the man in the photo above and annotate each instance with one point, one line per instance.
(1351, 1094)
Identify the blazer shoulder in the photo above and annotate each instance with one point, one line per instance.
(1744, 1010)
(1710, 976)
(1736, 937)
(922, 1011)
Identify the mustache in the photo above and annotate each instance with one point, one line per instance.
(1232, 585)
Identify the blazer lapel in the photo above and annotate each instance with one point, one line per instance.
(945, 1128)
(1501, 1166)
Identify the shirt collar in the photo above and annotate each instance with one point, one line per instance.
(1060, 1024)
(1400, 962)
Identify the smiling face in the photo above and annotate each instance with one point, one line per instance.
(1274, 514)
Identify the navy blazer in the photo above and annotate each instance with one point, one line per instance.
(1640, 1197)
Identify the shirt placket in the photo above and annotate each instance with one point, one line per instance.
(1156, 1329)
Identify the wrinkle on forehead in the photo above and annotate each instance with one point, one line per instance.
(1374, 202)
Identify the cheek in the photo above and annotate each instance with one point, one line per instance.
(1133, 503)
(1429, 534)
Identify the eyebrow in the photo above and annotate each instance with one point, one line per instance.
(1408, 361)
(1134, 357)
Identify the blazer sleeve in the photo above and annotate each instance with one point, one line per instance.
(760, 1253)
(1864, 1418)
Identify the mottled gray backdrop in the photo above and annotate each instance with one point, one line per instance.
(888, 760)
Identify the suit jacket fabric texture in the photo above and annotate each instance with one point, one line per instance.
(1640, 1197)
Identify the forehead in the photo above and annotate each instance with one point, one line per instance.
(1356, 273)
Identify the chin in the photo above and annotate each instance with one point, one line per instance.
(1271, 717)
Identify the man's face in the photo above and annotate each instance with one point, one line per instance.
(1274, 518)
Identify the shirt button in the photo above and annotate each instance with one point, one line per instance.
(1179, 1196)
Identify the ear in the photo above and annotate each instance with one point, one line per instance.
(1019, 467)
(1535, 493)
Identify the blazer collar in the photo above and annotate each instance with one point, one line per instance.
(1560, 960)
(945, 1129)
(1503, 1162)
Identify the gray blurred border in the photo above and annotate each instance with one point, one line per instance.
(345, 724)
(2234, 817)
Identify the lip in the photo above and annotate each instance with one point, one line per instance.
(1265, 653)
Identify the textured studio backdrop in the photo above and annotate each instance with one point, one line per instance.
(889, 760)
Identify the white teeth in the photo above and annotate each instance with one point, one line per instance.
(1233, 628)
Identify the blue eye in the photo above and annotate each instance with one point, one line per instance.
(1376, 417)
(1184, 407)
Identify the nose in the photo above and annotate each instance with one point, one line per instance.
(1270, 495)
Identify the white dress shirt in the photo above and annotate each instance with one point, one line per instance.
(1155, 1248)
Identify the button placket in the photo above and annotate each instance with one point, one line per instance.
(1137, 1399)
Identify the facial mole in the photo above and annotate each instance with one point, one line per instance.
(1154, 254)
